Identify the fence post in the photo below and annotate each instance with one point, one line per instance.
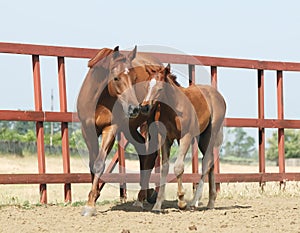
(214, 83)
(261, 130)
(39, 124)
(64, 125)
(195, 157)
(280, 115)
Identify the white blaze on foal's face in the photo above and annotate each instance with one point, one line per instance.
(126, 71)
(151, 86)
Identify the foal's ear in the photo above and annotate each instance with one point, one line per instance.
(116, 49)
(167, 70)
(132, 54)
(116, 52)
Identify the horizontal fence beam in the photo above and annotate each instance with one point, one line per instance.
(135, 178)
(12, 115)
(45, 50)
(72, 52)
(261, 123)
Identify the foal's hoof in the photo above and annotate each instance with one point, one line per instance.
(192, 208)
(210, 206)
(88, 211)
(151, 196)
(158, 211)
(182, 205)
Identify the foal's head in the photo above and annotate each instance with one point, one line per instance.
(120, 81)
(157, 89)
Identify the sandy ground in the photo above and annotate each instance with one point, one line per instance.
(239, 207)
(272, 214)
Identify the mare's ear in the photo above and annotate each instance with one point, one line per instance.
(132, 54)
(116, 52)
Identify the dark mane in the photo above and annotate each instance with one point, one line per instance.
(173, 79)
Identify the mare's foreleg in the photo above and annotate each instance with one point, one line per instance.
(147, 161)
(97, 168)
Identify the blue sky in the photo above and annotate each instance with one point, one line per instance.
(267, 30)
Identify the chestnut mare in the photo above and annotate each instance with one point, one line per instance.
(196, 112)
(109, 103)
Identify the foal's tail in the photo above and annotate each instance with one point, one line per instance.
(219, 137)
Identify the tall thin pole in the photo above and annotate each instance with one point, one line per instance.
(51, 125)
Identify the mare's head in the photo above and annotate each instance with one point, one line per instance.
(121, 78)
(157, 89)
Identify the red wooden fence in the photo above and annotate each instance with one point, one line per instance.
(39, 116)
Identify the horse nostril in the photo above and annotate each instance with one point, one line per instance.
(136, 110)
(145, 109)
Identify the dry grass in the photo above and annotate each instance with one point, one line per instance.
(19, 194)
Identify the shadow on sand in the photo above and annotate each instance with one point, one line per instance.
(169, 206)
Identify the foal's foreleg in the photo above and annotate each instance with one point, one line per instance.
(185, 142)
(163, 175)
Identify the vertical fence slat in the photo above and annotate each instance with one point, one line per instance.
(64, 125)
(280, 115)
(261, 116)
(39, 125)
(195, 156)
(214, 83)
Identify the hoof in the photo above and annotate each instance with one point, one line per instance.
(88, 211)
(210, 206)
(156, 211)
(191, 208)
(182, 205)
(123, 200)
(151, 196)
(138, 204)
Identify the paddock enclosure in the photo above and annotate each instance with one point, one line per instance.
(65, 117)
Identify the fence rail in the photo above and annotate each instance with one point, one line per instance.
(39, 116)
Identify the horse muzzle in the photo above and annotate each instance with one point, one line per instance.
(133, 111)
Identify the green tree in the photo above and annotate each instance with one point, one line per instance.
(238, 144)
(291, 145)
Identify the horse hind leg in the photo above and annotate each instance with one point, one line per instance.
(209, 140)
(205, 144)
(212, 188)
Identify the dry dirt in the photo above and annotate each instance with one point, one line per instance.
(273, 214)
